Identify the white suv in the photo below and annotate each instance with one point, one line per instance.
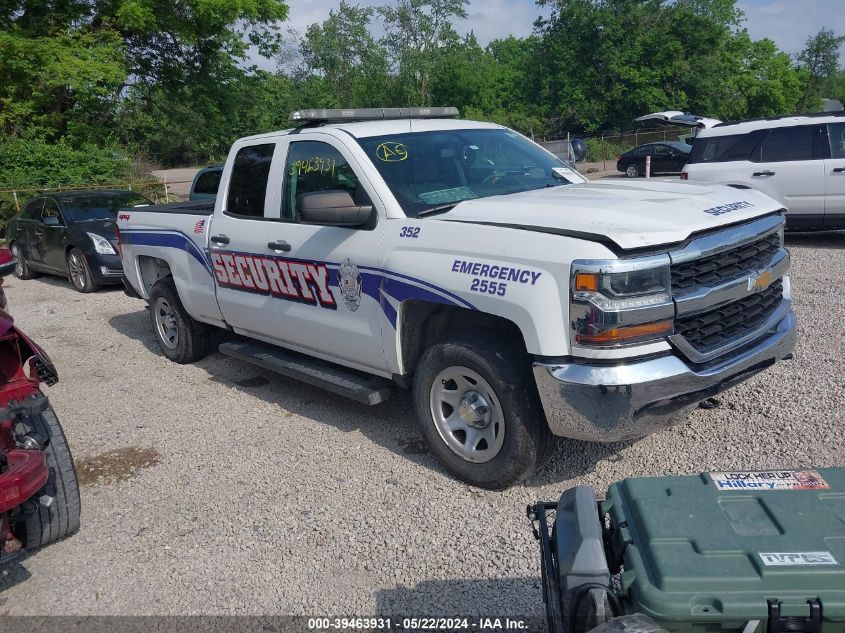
(798, 160)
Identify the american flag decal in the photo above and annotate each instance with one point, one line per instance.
(199, 227)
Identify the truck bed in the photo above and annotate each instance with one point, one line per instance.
(201, 207)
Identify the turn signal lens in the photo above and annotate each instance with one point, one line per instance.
(626, 334)
(587, 282)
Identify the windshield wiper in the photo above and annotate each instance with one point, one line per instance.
(438, 209)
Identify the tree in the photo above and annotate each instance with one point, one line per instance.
(347, 57)
(417, 32)
(820, 60)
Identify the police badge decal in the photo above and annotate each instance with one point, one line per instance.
(349, 280)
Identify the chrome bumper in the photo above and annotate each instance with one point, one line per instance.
(611, 403)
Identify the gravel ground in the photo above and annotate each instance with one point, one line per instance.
(216, 489)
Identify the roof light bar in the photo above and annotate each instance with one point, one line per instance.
(370, 114)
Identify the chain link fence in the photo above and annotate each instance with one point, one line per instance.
(605, 147)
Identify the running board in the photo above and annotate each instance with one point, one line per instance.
(344, 382)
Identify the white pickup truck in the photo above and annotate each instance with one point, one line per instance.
(462, 260)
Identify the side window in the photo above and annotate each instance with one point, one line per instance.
(32, 211)
(317, 166)
(248, 183)
(789, 143)
(208, 182)
(836, 132)
(661, 150)
(51, 209)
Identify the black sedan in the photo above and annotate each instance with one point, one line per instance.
(669, 157)
(72, 234)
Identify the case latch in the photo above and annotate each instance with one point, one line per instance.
(794, 623)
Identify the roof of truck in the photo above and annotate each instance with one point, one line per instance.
(365, 129)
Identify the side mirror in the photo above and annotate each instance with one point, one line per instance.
(333, 207)
(579, 149)
(50, 220)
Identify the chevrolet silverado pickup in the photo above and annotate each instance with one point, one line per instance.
(458, 259)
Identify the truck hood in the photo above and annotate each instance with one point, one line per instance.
(630, 214)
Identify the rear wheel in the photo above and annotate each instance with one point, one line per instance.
(181, 338)
(478, 408)
(53, 513)
(22, 269)
(79, 272)
(632, 171)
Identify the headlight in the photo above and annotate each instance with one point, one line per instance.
(101, 244)
(616, 303)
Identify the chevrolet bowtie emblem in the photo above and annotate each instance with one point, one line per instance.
(761, 281)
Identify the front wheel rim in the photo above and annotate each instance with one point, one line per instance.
(77, 271)
(18, 261)
(467, 414)
(632, 172)
(165, 319)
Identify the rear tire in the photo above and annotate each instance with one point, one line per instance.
(632, 171)
(181, 338)
(79, 273)
(461, 369)
(22, 269)
(47, 524)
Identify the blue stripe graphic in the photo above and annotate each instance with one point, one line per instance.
(375, 282)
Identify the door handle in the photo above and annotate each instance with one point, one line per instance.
(763, 173)
(39, 232)
(839, 170)
(280, 245)
(220, 239)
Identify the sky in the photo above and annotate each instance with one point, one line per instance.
(787, 22)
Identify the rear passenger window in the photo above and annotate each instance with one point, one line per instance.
(248, 183)
(32, 211)
(789, 143)
(208, 182)
(722, 149)
(836, 132)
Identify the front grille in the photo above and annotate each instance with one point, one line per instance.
(711, 330)
(715, 269)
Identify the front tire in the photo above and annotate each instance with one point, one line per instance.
(181, 338)
(478, 408)
(79, 273)
(22, 269)
(43, 524)
(632, 171)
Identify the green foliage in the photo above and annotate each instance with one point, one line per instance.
(418, 36)
(170, 81)
(820, 62)
(35, 163)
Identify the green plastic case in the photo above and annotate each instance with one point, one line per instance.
(705, 557)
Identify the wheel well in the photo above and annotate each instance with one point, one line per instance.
(152, 269)
(422, 322)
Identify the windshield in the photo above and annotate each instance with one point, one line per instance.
(429, 171)
(100, 206)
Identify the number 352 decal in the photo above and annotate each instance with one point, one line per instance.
(409, 231)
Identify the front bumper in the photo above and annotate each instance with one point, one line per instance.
(600, 403)
(105, 269)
